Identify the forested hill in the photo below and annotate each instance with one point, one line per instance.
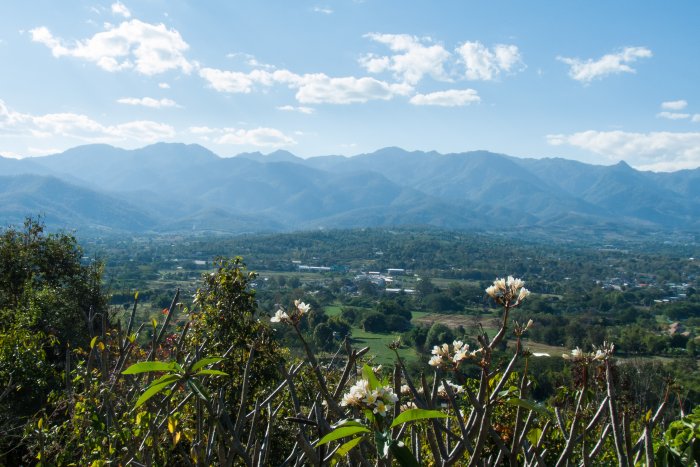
(177, 187)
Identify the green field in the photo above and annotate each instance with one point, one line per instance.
(378, 345)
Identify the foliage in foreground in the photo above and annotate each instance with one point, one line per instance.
(183, 399)
(221, 391)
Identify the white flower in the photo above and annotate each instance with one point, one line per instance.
(523, 294)
(436, 360)
(302, 307)
(380, 408)
(508, 291)
(492, 291)
(389, 397)
(456, 389)
(280, 316)
(408, 406)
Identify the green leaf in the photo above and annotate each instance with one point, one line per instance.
(92, 342)
(342, 432)
(403, 455)
(145, 367)
(198, 389)
(211, 372)
(346, 422)
(526, 404)
(154, 389)
(206, 361)
(345, 448)
(368, 374)
(412, 415)
(533, 436)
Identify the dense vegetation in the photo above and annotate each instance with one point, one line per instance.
(209, 380)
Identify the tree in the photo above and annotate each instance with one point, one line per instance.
(323, 337)
(374, 322)
(438, 334)
(49, 302)
(227, 317)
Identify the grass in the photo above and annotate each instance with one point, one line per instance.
(332, 310)
(378, 343)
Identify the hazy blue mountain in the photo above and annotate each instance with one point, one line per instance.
(177, 187)
(67, 206)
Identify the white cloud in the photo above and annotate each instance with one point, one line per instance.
(589, 70)
(324, 10)
(449, 98)
(78, 126)
(696, 118)
(260, 137)
(148, 102)
(149, 49)
(300, 109)
(201, 130)
(319, 89)
(164, 85)
(315, 88)
(674, 105)
(487, 64)
(118, 8)
(250, 60)
(659, 151)
(415, 58)
(673, 115)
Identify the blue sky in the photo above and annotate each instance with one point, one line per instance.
(595, 81)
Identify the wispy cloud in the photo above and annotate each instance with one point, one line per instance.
(450, 98)
(673, 115)
(148, 102)
(659, 151)
(314, 88)
(484, 64)
(674, 105)
(149, 49)
(300, 109)
(588, 70)
(260, 137)
(324, 10)
(118, 8)
(321, 89)
(80, 127)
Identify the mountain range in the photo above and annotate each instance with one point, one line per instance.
(169, 188)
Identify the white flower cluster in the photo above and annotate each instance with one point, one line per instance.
(598, 354)
(408, 406)
(444, 357)
(456, 389)
(294, 316)
(508, 291)
(377, 400)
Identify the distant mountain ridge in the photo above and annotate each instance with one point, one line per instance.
(170, 187)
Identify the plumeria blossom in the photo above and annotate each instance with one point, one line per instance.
(442, 392)
(294, 316)
(508, 292)
(598, 354)
(408, 406)
(444, 356)
(377, 400)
